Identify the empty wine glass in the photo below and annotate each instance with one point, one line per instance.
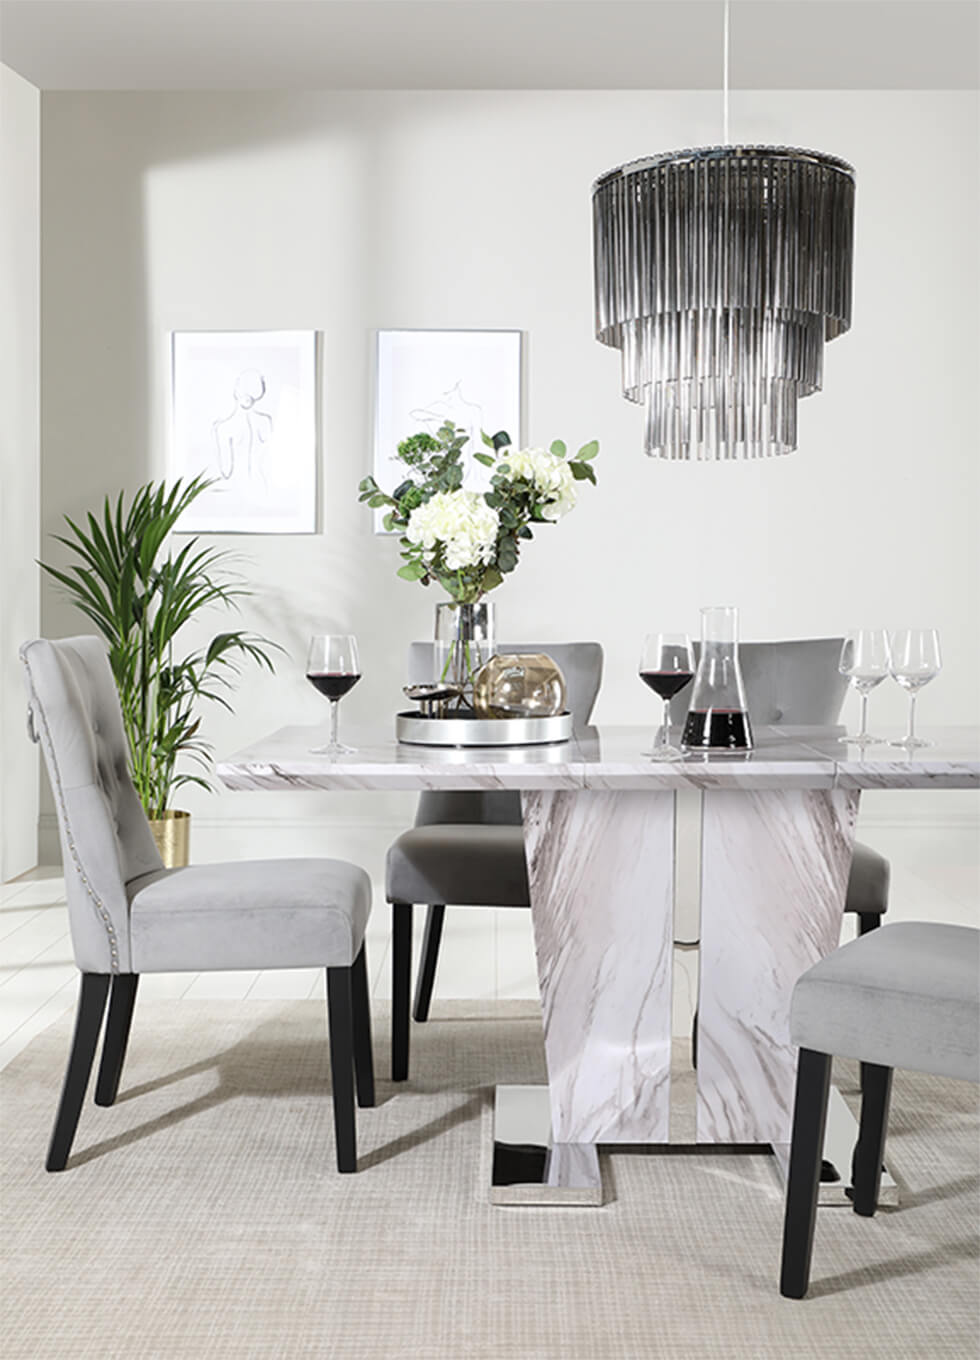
(916, 660)
(666, 665)
(865, 659)
(332, 667)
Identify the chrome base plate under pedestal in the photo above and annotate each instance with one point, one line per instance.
(527, 1167)
(838, 1148)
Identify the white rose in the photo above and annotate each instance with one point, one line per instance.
(462, 522)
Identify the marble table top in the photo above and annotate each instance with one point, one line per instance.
(606, 758)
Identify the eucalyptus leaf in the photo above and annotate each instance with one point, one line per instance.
(559, 448)
(588, 451)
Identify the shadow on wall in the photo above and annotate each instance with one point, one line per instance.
(135, 266)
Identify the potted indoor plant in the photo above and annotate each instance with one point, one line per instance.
(140, 593)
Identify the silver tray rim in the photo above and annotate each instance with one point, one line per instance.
(414, 730)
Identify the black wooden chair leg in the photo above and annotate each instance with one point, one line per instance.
(363, 1055)
(434, 917)
(869, 1151)
(401, 987)
(122, 999)
(694, 1042)
(806, 1155)
(92, 993)
(867, 921)
(340, 1018)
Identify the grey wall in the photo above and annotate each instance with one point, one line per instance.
(352, 211)
(19, 458)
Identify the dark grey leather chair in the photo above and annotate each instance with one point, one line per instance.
(905, 996)
(797, 684)
(466, 848)
(129, 915)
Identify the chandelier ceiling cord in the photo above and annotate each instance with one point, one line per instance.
(719, 273)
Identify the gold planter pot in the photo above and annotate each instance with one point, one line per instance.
(172, 833)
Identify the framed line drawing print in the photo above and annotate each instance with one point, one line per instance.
(424, 378)
(245, 415)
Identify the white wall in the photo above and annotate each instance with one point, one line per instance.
(353, 211)
(19, 458)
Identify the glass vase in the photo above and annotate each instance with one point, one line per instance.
(464, 641)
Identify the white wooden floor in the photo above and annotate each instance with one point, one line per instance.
(486, 953)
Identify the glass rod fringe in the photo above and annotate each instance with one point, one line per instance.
(719, 273)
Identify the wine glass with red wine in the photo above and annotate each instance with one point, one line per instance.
(666, 665)
(332, 668)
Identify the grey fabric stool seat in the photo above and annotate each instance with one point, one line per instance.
(129, 915)
(905, 996)
(466, 848)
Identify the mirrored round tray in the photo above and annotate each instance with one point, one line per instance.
(469, 730)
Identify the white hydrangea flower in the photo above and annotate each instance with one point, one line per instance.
(551, 477)
(460, 520)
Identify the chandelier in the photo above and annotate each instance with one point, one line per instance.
(719, 273)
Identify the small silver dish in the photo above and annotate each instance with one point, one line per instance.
(433, 700)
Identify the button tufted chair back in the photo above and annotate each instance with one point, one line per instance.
(581, 665)
(787, 684)
(105, 837)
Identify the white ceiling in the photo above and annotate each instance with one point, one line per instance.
(490, 44)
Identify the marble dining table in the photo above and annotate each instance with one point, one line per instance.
(599, 817)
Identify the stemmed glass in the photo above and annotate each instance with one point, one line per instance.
(865, 659)
(666, 665)
(332, 667)
(916, 660)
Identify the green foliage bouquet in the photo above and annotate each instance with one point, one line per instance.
(468, 541)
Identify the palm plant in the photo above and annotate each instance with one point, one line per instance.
(140, 603)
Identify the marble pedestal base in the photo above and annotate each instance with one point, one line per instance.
(601, 872)
(600, 865)
(774, 871)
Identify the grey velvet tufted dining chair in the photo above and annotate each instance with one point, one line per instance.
(129, 915)
(907, 996)
(466, 848)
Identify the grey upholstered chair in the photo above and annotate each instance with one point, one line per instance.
(129, 915)
(905, 996)
(466, 848)
(797, 684)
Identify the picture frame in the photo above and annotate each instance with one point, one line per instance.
(244, 413)
(425, 377)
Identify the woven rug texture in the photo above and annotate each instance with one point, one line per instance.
(202, 1215)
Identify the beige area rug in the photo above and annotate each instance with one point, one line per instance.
(201, 1216)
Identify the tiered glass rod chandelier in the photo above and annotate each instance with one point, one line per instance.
(719, 274)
